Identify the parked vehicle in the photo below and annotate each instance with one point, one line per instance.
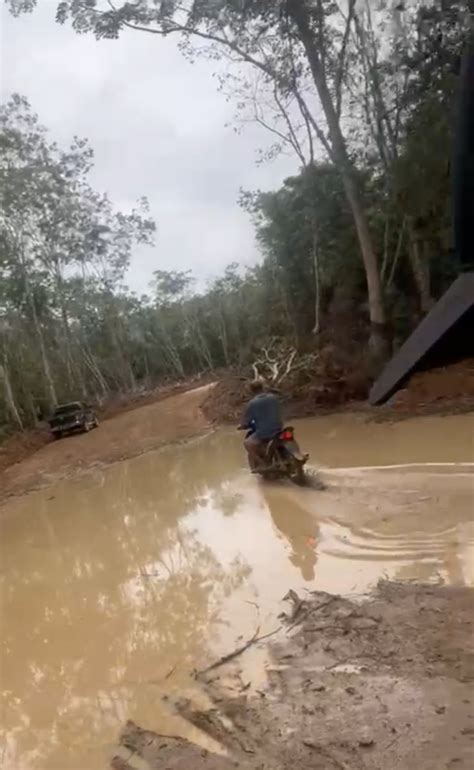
(282, 457)
(72, 418)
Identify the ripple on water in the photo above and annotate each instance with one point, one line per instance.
(115, 586)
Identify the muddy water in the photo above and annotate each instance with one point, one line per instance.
(117, 585)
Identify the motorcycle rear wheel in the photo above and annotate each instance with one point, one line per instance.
(297, 474)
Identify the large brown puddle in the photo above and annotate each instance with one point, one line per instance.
(117, 585)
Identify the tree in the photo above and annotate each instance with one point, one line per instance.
(308, 214)
(69, 327)
(55, 231)
(292, 43)
(404, 64)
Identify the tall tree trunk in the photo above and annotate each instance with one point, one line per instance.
(93, 367)
(317, 282)
(171, 351)
(222, 332)
(396, 256)
(379, 343)
(28, 399)
(200, 342)
(8, 391)
(421, 270)
(124, 369)
(202, 347)
(50, 389)
(76, 380)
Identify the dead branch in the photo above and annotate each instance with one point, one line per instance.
(293, 139)
(277, 362)
(231, 655)
(310, 611)
(396, 255)
(298, 604)
(288, 367)
(171, 671)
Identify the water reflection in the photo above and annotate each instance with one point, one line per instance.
(297, 525)
(115, 586)
(104, 590)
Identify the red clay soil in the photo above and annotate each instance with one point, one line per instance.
(335, 387)
(19, 446)
(175, 418)
(328, 385)
(447, 389)
(453, 383)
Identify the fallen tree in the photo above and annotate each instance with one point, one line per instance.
(306, 382)
(278, 360)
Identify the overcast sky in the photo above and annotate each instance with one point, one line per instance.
(157, 126)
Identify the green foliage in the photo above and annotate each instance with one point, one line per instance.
(64, 250)
(307, 218)
(363, 93)
(68, 326)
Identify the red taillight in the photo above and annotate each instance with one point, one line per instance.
(287, 435)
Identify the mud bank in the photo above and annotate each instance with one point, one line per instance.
(382, 683)
(131, 432)
(446, 390)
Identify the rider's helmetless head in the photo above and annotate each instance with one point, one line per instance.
(256, 386)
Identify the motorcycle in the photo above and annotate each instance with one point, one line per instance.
(281, 457)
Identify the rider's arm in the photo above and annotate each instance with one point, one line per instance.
(247, 418)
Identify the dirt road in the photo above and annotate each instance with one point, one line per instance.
(126, 435)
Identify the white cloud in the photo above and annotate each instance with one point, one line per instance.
(157, 126)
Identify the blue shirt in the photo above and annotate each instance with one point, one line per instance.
(264, 413)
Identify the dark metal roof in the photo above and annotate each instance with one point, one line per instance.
(446, 333)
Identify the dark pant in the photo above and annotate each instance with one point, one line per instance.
(254, 447)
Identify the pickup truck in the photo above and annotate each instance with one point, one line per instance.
(69, 418)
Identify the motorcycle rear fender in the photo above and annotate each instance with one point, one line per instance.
(293, 449)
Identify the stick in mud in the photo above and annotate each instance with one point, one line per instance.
(171, 671)
(231, 655)
(310, 611)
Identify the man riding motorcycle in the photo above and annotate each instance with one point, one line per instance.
(263, 417)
